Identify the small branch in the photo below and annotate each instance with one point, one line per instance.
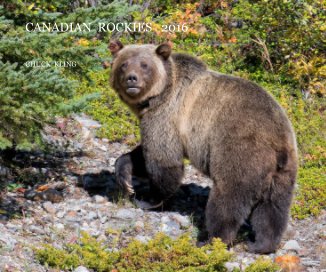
(265, 53)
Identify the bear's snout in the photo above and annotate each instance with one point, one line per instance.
(132, 79)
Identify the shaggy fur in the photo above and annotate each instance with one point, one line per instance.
(229, 128)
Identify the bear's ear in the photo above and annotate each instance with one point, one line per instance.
(115, 47)
(164, 50)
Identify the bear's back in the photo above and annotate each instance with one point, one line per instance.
(221, 106)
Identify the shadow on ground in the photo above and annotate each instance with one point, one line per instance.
(22, 169)
(190, 199)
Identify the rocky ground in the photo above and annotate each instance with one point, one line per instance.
(76, 191)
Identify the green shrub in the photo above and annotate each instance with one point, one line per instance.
(262, 265)
(160, 254)
(31, 97)
(311, 195)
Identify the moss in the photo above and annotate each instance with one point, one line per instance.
(262, 265)
(57, 258)
(311, 195)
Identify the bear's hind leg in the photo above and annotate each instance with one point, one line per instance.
(269, 219)
(225, 213)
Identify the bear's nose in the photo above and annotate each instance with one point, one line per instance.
(132, 78)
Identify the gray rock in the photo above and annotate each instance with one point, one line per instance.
(13, 227)
(103, 219)
(72, 216)
(125, 214)
(230, 266)
(169, 226)
(323, 261)
(142, 238)
(292, 245)
(289, 233)
(4, 171)
(139, 226)
(99, 199)
(87, 122)
(112, 161)
(309, 262)
(7, 240)
(182, 220)
(246, 261)
(86, 133)
(81, 269)
(75, 208)
(91, 216)
(60, 214)
(49, 207)
(36, 229)
(99, 146)
(85, 226)
(59, 226)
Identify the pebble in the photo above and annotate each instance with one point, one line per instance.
(125, 214)
(169, 226)
(49, 207)
(37, 230)
(103, 219)
(59, 226)
(7, 240)
(72, 216)
(75, 208)
(292, 245)
(231, 266)
(14, 227)
(139, 225)
(85, 121)
(60, 214)
(99, 199)
(81, 269)
(91, 216)
(86, 133)
(112, 161)
(289, 233)
(309, 262)
(182, 220)
(142, 238)
(323, 261)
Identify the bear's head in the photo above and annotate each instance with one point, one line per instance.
(139, 72)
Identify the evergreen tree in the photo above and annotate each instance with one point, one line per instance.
(33, 96)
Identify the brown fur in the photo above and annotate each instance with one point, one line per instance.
(229, 128)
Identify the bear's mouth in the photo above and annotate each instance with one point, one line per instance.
(133, 91)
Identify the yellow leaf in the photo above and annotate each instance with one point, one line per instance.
(30, 6)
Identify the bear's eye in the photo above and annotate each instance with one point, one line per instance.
(123, 66)
(144, 65)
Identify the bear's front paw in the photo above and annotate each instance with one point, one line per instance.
(123, 175)
(261, 247)
(125, 184)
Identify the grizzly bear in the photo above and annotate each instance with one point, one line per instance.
(228, 127)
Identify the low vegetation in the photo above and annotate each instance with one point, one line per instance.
(161, 254)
